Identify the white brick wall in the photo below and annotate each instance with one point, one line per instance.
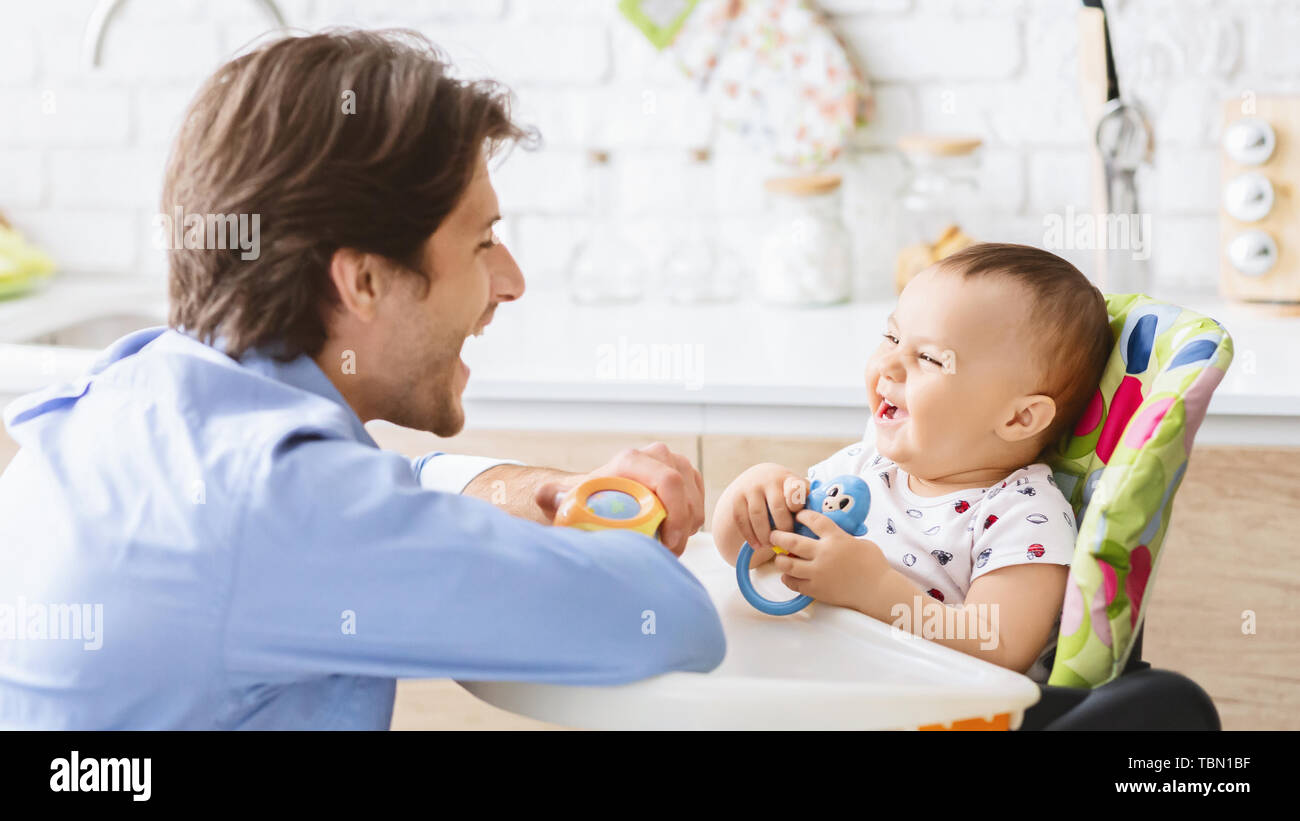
(81, 154)
(930, 47)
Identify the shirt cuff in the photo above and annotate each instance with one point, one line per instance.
(450, 472)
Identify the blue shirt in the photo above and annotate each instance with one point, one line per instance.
(256, 561)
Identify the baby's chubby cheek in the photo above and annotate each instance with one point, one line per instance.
(872, 378)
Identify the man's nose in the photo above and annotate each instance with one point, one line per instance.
(507, 279)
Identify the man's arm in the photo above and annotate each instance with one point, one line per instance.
(534, 493)
(345, 564)
(513, 488)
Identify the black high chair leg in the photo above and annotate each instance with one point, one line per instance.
(1140, 699)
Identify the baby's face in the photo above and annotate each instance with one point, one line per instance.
(953, 358)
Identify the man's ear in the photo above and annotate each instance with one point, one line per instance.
(1026, 417)
(359, 280)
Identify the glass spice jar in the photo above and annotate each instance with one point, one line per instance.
(806, 256)
(605, 267)
(938, 203)
(701, 267)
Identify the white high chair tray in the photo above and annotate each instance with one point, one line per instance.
(824, 668)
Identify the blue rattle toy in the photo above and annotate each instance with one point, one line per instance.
(845, 501)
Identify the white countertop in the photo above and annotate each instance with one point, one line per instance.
(751, 354)
(68, 301)
(546, 363)
(58, 305)
(751, 368)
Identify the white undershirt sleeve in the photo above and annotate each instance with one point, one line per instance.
(450, 472)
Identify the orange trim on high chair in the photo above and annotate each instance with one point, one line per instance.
(1001, 721)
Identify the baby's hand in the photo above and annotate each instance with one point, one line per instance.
(763, 488)
(836, 567)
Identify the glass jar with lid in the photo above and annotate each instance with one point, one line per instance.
(605, 268)
(701, 267)
(939, 203)
(806, 256)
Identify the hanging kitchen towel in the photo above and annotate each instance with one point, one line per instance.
(777, 74)
(659, 20)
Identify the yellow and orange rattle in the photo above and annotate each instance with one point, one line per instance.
(612, 503)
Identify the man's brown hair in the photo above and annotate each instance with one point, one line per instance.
(1071, 328)
(343, 139)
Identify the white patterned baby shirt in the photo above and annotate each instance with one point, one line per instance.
(943, 543)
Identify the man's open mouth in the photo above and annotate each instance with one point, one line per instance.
(488, 316)
(476, 332)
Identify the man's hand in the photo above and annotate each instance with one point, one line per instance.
(669, 475)
(835, 568)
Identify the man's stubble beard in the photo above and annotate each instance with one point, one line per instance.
(425, 397)
(439, 408)
(449, 419)
(439, 411)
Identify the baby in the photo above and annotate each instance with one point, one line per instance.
(989, 358)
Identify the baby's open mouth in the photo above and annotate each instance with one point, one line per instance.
(889, 411)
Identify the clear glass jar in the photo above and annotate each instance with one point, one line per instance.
(939, 202)
(605, 268)
(700, 267)
(806, 256)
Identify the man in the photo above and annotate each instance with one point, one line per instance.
(206, 515)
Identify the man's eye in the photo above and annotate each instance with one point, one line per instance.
(491, 241)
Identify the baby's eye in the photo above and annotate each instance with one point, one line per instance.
(891, 337)
(925, 357)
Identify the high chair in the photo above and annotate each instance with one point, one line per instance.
(1120, 469)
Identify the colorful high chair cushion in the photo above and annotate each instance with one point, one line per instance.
(1120, 469)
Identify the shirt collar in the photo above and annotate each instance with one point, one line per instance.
(301, 372)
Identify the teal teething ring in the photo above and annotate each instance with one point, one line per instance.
(761, 603)
(845, 500)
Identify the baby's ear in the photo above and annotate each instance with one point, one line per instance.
(1027, 417)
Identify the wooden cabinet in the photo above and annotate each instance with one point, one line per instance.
(1232, 547)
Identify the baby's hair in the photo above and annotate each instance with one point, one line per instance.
(1067, 309)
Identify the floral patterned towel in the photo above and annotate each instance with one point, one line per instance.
(776, 72)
